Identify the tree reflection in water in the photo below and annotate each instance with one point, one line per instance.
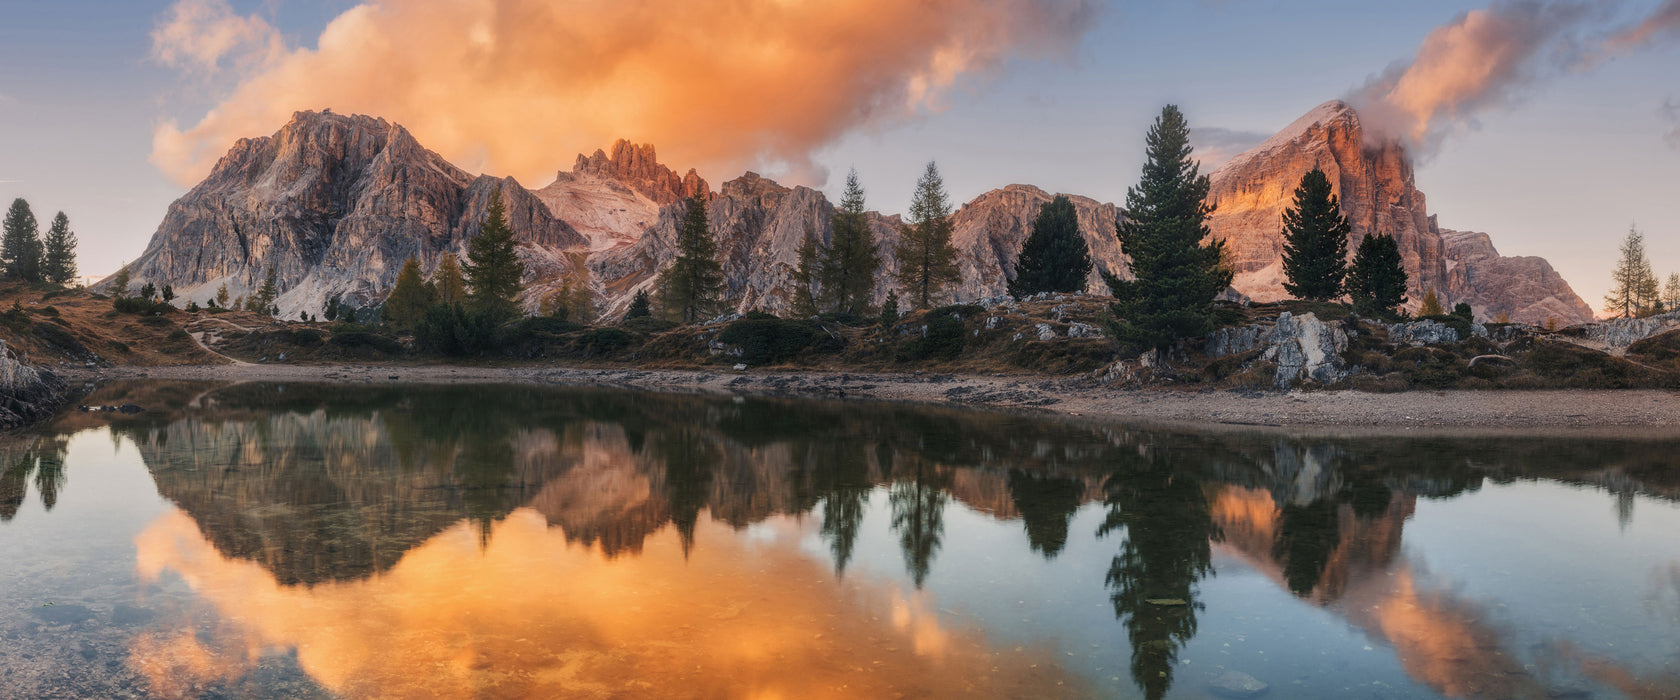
(41, 458)
(1168, 531)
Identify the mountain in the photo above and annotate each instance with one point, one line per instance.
(335, 204)
(1374, 179)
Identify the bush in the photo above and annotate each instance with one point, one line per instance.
(454, 331)
(942, 341)
(140, 305)
(768, 340)
(119, 346)
(16, 320)
(155, 321)
(605, 341)
(59, 338)
(364, 339)
(648, 324)
(47, 311)
(178, 335)
(306, 337)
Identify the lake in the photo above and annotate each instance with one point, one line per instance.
(323, 541)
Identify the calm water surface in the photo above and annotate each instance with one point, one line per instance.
(512, 542)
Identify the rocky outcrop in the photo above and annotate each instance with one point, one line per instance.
(1524, 289)
(335, 204)
(27, 393)
(613, 199)
(1302, 347)
(1378, 192)
(1615, 335)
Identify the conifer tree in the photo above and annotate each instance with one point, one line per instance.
(451, 286)
(493, 268)
(1431, 305)
(1055, 257)
(1177, 277)
(889, 309)
(1671, 293)
(851, 263)
(121, 280)
(20, 245)
(148, 291)
(58, 264)
(263, 300)
(1633, 286)
(221, 292)
(807, 274)
(1377, 281)
(409, 299)
(640, 306)
(691, 289)
(1315, 241)
(927, 262)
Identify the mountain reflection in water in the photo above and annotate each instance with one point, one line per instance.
(525, 542)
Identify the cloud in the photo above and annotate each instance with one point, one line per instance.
(519, 86)
(1215, 145)
(1661, 24)
(197, 35)
(1483, 58)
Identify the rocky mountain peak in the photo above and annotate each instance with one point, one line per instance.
(638, 166)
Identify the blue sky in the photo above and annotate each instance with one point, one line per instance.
(1561, 172)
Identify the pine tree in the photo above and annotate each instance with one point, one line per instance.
(1671, 293)
(168, 293)
(807, 274)
(851, 263)
(927, 262)
(1377, 281)
(148, 291)
(1633, 284)
(263, 300)
(889, 310)
(409, 299)
(20, 246)
(451, 286)
(1164, 224)
(58, 265)
(1055, 257)
(121, 280)
(692, 287)
(1315, 238)
(640, 306)
(493, 268)
(1431, 305)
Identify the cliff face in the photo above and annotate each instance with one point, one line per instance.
(1378, 192)
(336, 204)
(612, 199)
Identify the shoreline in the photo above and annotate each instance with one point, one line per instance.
(1573, 412)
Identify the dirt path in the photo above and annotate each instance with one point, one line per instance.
(198, 337)
(1548, 412)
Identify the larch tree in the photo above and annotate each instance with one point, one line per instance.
(1431, 304)
(121, 280)
(1315, 236)
(20, 244)
(1377, 281)
(493, 268)
(1633, 286)
(691, 289)
(927, 262)
(1671, 293)
(409, 299)
(1055, 257)
(58, 264)
(451, 285)
(1177, 276)
(807, 275)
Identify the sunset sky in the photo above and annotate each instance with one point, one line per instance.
(1552, 126)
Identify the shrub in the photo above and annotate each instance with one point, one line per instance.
(605, 341)
(648, 324)
(454, 331)
(178, 335)
(16, 320)
(139, 305)
(767, 340)
(943, 340)
(364, 339)
(119, 346)
(306, 336)
(155, 321)
(47, 311)
(59, 338)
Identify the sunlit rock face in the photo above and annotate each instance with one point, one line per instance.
(612, 199)
(335, 204)
(989, 231)
(1373, 178)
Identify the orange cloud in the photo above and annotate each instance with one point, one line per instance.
(519, 86)
(527, 615)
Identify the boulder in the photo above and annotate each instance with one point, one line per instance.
(1422, 333)
(27, 393)
(1236, 684)
(1303, 347)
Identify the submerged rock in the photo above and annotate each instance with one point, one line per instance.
(1236, 684)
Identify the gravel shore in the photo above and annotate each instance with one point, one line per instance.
(1608, 412)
